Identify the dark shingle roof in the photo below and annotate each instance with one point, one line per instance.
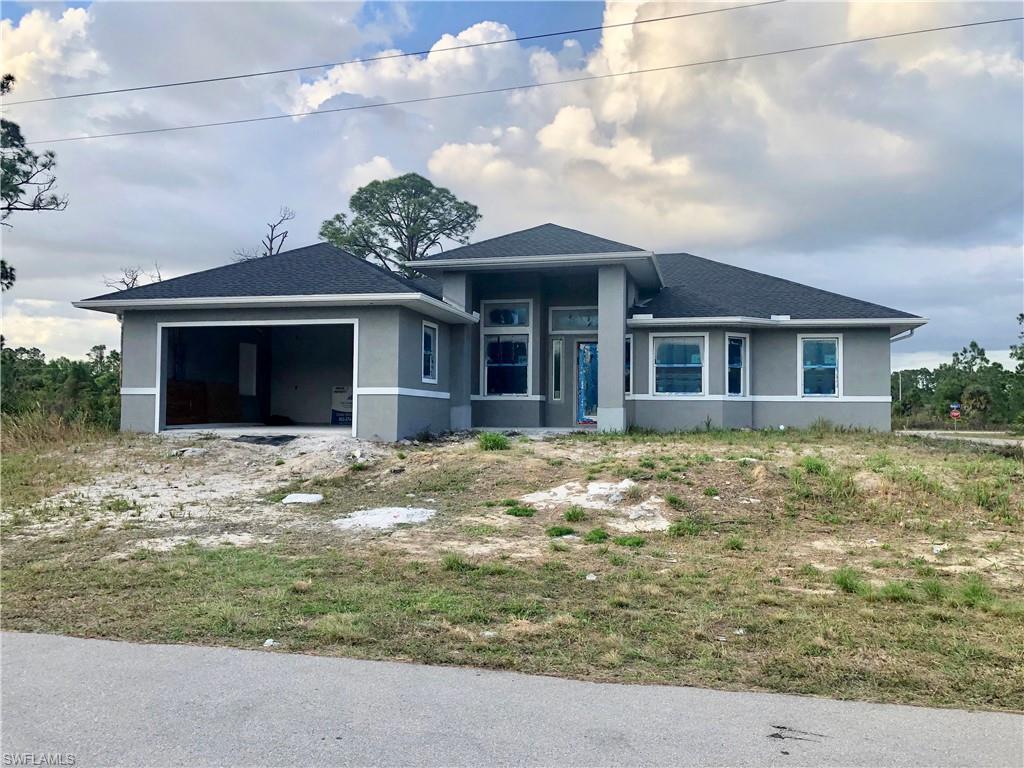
(320, 269)
(696, 287)
(544, 240)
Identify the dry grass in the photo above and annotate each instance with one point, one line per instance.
(850, 565)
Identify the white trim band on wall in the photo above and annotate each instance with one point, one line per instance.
(509, 398)
(138, 390)
(405, 392)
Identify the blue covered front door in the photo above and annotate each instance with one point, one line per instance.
(586, 382)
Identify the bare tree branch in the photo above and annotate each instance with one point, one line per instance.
(272, 242)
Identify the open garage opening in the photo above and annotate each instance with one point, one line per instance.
(272, 375)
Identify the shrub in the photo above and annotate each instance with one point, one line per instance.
(896, 592)
(457, 563)
(734, 543)
(575, 514)
(974, 592)
(849, 580)
(814, 465)
(634, 493)
(560, 530)
(630, 541)
(492, 441)
(519, 511)
(711, 491)
(596, 536)
(688, 526)
(676, 502)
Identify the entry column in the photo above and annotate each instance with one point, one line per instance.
(611, 348)
(456, 291)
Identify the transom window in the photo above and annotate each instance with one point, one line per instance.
(503, 315)
(429, 370)
(570, 319)
(736, 365)
(678, 365)
(505, 342)
(819, 365)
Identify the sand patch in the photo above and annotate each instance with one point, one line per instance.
(594, 495)
(383, 518)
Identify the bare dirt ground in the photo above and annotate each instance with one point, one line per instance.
(207, 489)
(216, 491)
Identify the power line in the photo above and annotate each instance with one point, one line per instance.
(386, 57)
(529, 86)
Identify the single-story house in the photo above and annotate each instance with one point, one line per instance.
(546, 327)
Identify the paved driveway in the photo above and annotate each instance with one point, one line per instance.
(110, 703)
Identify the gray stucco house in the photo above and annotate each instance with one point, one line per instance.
(547, 327)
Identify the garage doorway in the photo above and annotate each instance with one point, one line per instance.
(253, 374)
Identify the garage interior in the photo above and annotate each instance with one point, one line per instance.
(277, 375)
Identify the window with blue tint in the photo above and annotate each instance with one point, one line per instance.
(820, 366)
(735, 360)
(679, 365)
(506, 364)
(512, 314)
(429, 353)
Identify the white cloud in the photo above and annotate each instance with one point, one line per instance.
(42, 46)
(903, 361)
(376, 167)
(57, 334)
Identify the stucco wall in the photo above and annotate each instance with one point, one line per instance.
(378, 333)
(772, 361)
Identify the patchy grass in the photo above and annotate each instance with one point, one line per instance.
(42, 455)
(575, 514)
(492, 441)
(894, 575)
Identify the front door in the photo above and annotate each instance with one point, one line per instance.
(586, 382)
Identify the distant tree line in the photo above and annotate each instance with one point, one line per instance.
(73, 390)
(989, 394)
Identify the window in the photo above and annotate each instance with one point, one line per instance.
(505, 342)
(429, 353)
(628, 381)
(678, 364)
(573, 319)
(511, 314)
(736, 366)
(556, 369)
(506, 364)
(819, 365)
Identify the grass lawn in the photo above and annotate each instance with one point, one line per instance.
(844, 565)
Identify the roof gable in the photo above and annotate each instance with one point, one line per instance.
(543, 240)
(316, 270)
(698, 287)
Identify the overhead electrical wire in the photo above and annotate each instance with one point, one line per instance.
(529, 86)
(388, 56)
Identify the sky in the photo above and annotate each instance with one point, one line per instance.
(890, 170)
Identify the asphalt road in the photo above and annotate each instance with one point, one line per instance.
(110, 703)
